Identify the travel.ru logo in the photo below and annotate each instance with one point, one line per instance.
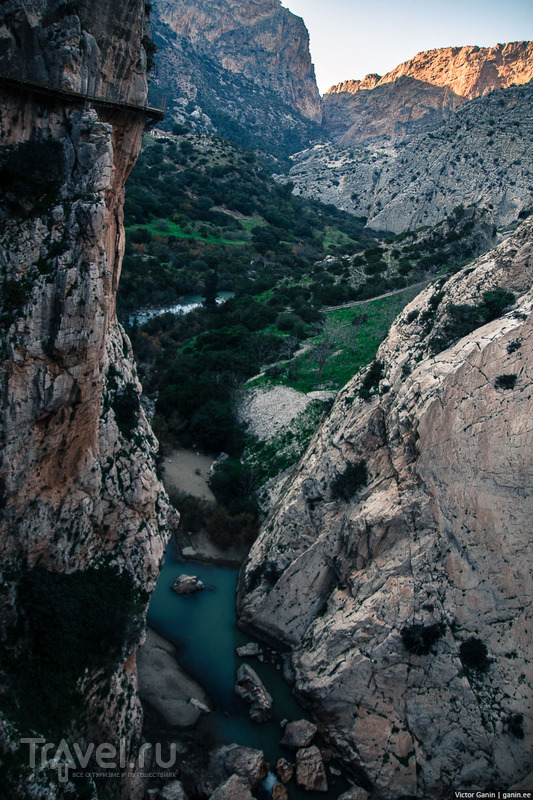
(105, 757)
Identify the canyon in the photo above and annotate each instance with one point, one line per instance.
(391, 576)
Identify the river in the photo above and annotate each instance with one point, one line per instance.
(203, 626)
(187, 304)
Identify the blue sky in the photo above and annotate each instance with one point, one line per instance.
(350, 38)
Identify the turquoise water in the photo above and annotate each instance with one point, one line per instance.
(203, 627)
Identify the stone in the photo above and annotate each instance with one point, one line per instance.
(251, 690)
(173, 791)
(279, 792)
(299, 733)
(284, 770)
(232, 789)
(166, 687)
(248, 763)
(248, 650)
(356, 793)
(187, 584)
(310, 771)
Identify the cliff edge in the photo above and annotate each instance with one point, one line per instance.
(84, 516)
(395, 567)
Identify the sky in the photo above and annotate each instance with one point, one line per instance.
(351, 38)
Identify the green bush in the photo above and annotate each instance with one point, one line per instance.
(474, 655)
(126, 405)
(506, 381)
(419, 639)
(371, 380)
(348, 483)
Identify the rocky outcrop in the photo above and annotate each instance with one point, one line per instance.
(479, 157)
(242, 70)
(84, 516)
(299, 734)
(418, 94)
(165, 687)
(232, 789)
(251, 690)
(396, 565)
(247, 763)
(310, 771)
(187, 584)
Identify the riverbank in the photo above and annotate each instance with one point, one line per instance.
(186, 472)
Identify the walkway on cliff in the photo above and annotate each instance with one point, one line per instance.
(151, 114)
(355, 303)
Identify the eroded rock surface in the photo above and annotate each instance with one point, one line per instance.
(250, 688)
(397, 564)
(82, 506)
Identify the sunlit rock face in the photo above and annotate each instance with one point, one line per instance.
(79, 491)
(396, 565)
(420, 93)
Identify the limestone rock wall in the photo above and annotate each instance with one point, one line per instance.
(395, 567)
(423, 91)
(480, 156)
(260, 40)
(78, 485)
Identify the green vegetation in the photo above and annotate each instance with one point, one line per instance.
(71, 623)
(196, 204)
(419, 639)
(346, 484)
(463, 319)
(506, 381)
(474, 655)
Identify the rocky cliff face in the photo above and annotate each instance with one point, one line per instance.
(84, 516)
(260, 40)
(480, 156)
(240, 69)
(424, 90)
(395, 566)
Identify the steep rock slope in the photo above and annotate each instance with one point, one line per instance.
(245, 66)
(428, 87)
(81, 503)
(480, 156)
(395, 565)
(261, 40)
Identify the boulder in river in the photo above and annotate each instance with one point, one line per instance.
(172, 791)
(165, 687)
(284, 770)
(232, 789)
(356, 793)
(187, 584)
(310, 771)
(279, 792)
(249, 688)
(248, 650)
(248, 763)
(299, 734)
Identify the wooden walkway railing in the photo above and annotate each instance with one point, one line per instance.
(111, 101)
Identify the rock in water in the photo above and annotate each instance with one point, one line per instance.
(299, 734)
(246, 763)
(173, 791)
(249, 688)
(284, 770)
(310, 771)
(279, 792)
(232, 789)
(248, 650)
(187, 584)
